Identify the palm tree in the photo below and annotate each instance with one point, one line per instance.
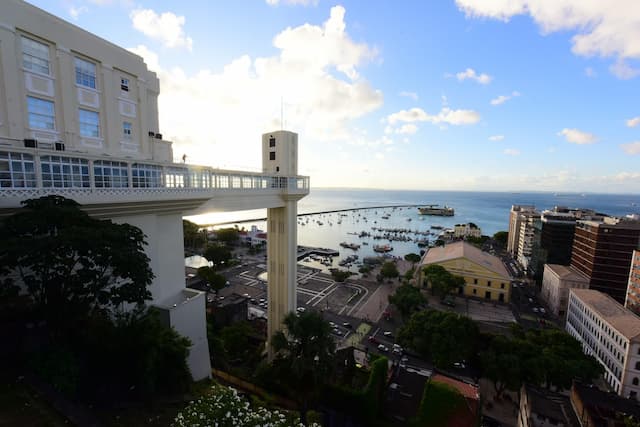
(305, 353)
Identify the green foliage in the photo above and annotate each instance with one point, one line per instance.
(501, 238)
(408, 275)
(208, 274)
(364, 269)
(193, 238)
(236, 342)
(217, 254)
(407, 299)
(305, 356)
(71, 264)
(443, 337)
(477, 241)
(412, 258)
(58, 366)
(439, 402)
(389, 270)
(340, 275)
(441, 282)
(227, 235)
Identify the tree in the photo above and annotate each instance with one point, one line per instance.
(71, 264)
(440, 280)
(228, 236)
(340, 275)
(305, 356)
(389, 270)
(412, 258)
(501, 364)
(235, 339)
(501, 238)
(407, 299)
(214, 280)
(193, 238)
(217, 254)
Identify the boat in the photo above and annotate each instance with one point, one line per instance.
(437, 227)
(436, 210)
(353, 246)
(382, 248)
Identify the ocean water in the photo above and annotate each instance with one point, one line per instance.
(488, 210)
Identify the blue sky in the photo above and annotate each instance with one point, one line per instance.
(509, 95)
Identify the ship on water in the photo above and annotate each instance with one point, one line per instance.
(436, 210)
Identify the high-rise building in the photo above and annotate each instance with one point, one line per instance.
(602, 251)
(632, 301)
(528, 241)
(517, 216)
(79, 119)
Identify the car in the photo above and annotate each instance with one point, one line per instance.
(404, 359)
(397, 351)
(262, 300)
(347, 325)
(459, 365)
(449, 303)
(245, 295)
(530, 300)
(387, 333)
(383, 348)
(373, 339)
(253, 301)
(542, 310)
(301, 309)
(337, 332)
(535, 309)
(333, 325)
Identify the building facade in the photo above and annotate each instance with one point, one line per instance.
(79, 119)
(632, 302)
(556, 282)
(461, 231)
(517, 215)
(602, 251)
(610, 333)
(484, 274)
(528, 242)
(542, 408)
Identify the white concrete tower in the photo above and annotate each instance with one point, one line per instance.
(280, 159)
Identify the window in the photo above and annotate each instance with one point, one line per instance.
(64, 172)
(16, 170)
(501, 285)
(124, 84)
(126, 130)
(110, 174)
(89, 122)
(475, 281)
(637, 366)
(272, 155)
(272, 142)
(85, 73)
(489, 283)
(474, 291)
(146, 176)
(35, 56)
(41, 113)
(635, 381)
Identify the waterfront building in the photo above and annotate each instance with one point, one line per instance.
(485, 275)
(556, 282)
(632, 302)
(461, 231)
(602, 251)
(516, 217)
(542, 407)
(79, 119)
(610, 333)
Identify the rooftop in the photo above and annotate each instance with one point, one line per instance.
(621, 319)
(466, 250)
(551, 405)
(604, 406)
(566, 272)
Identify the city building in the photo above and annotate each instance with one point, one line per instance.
(597, 408)
(461, 231)
(253, 237)
(517, 215)
(610, 333)
(632, 302)
(602, 251)
(528, 241)
(556, 282)
(79, 119)
(542, 407)
(485, 275)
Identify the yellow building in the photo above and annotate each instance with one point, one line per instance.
(485, 275)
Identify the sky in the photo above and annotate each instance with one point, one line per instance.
(485, 95)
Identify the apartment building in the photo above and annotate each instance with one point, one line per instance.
(517, 216)
(610, 333)
(632, 302)
(556, 282)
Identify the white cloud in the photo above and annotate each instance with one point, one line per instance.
(633, 122)
(471, 74)
(623, 71)
(631, 148)
(407, 129)
(411, 95)
(446, 115)
(602, 28)
(228, 110)
(511, 152)
(496, 137)
(166, 27)
(576, 136)
(75, 12)
(293, 2)
(504, 98)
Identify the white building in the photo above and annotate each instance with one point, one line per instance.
(517, 215)
(466, 230)
(610, 333)
(528, 239)
(556, 282)
(79, 118)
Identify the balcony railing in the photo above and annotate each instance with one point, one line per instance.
(33, 170)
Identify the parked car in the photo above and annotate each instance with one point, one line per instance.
(373, 339)
(347, 325)
(383, 348)
(301, 309)
(387, 333)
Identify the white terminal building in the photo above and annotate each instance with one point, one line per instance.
(610, 333)
(79, 119)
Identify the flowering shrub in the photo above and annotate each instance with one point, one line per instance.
(223, 407)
